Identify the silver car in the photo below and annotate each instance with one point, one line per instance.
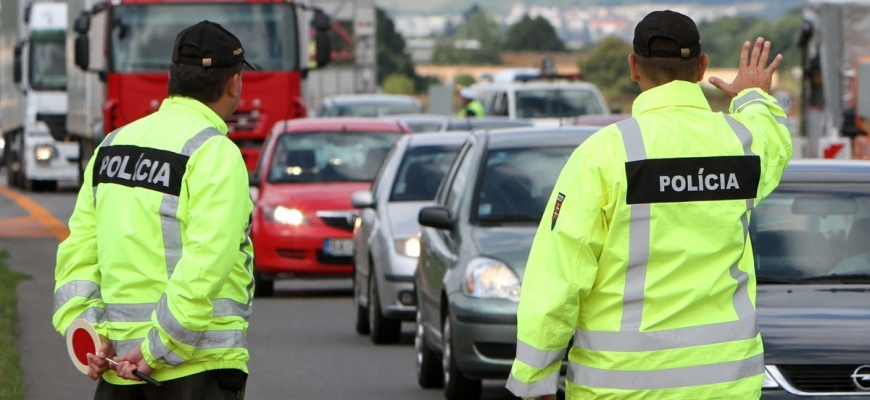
(386, 234)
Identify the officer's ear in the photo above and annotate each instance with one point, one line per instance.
(632, 63)
(704, 60)
(234, 85)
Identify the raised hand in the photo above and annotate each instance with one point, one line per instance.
(754, 72)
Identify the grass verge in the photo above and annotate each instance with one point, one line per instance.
(11, 385)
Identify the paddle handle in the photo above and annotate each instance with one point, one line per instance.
(147, 378)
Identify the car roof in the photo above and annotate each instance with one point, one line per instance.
(437, 138)
(533, 85)
(827, 171)
(536, 136)
(340, 124)
(418, 117)
(494, 120)
(371, 98)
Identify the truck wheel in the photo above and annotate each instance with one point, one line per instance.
(456, 385)
(384, 330)
(429, 373)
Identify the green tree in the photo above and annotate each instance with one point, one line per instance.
(464, 80)
(478, 27)
(391, 55)
(533, 35)
(723, 38)
(607, 66)
(398, 84)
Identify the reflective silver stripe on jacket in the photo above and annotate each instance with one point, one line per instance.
(639, 236)
(249, 260)
(106, 143)
(538, 358)
(94, 315)
(666, 378)
(174, 328)
(742, 301)
(78, 288)
(121, 347)
(231, 308)
(136, 312)
(159, 350)
(746, 99)
(542, 387)
(170, 225)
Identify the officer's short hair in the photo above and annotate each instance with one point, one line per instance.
(661, 70)
(203, 84)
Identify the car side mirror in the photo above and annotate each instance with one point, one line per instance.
(362, 199)
(436, 217)
(323, 45)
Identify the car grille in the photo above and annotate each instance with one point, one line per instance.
(338, 219)
(323, 258)
(498, 351)
(243, 121)
(56, 125)
(820, 378)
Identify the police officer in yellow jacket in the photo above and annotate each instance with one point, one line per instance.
(643, 256)
(158, 259)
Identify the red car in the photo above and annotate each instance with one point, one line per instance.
(303, 220)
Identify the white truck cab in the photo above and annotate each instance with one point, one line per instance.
(545, 101)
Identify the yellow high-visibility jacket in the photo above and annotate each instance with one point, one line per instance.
(643, 255)
(159, 254)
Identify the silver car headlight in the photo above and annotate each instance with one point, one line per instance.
(488, 278)
(769, 382)
(408, 247)
(44, 152)
(284, 215)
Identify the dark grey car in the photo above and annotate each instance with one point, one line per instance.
(473, 249)
(811, 240)
(445, 123)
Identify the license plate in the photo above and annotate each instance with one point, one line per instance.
(338, 247)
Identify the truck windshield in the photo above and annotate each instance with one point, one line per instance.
(48, 61)
(142, 35)
(557, 103)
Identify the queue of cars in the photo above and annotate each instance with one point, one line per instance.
(436, 228)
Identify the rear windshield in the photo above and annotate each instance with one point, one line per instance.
(812, 230)
(373, 109)
(421, 172)
(557, 103)
(330, 156)
(516, 183)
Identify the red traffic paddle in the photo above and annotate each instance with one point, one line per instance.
(81, 339)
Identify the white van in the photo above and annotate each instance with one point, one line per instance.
(543, 102)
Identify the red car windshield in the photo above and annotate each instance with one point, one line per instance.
(329, 156)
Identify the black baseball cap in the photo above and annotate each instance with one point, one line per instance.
(208, 44)
(669, 25)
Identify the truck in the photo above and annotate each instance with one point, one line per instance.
(353, 69)
(38, 150)
(121, 56)
(835, 93)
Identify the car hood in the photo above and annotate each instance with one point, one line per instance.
(402, 217)
(312, 196)
(510, 244)
(822, 324)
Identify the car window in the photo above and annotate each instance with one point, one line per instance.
(556, 103)
(453, 188)
(329, 156)
(516, 184)
(806, 231)
(378, 186)
(374, 109)
(421, 172)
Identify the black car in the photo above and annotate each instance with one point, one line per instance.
(811, 240)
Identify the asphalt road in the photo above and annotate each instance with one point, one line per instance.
(302, 341)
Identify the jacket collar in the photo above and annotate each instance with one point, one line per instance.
(190, 106)
(673, 94)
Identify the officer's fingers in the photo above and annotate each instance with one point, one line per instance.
(744, 55)
(756, 52)
(718, 83)
(765, 55)
(774, 64)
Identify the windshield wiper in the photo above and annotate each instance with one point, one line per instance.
(765, 280)
(843, 278)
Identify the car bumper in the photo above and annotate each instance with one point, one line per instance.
(485, 336)
(286, 250)
(396, 287)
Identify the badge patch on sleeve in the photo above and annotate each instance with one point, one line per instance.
(559, 200)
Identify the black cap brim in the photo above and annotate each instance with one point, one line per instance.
(251, 66)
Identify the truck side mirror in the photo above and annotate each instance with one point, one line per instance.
(323, 44)
(82, 52)
(82, 24)
(17, 72)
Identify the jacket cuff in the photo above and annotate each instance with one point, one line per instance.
(750, 96)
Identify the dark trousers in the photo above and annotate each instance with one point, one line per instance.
(222, 384)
